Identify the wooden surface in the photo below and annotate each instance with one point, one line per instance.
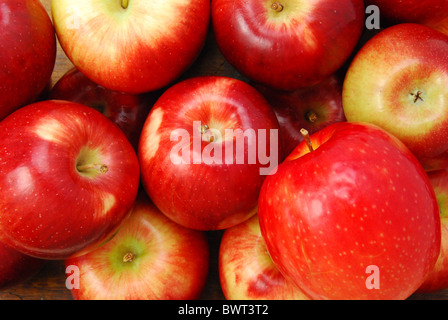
(49, 283)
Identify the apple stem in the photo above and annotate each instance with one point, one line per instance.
(207, 136)
(277, 7)
(306, 136)
(128, 257)
(101, 168)
(203, 128)
(124, 4)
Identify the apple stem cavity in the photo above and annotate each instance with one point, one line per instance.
(306, 136)
(311, 116)
(100, 168)
(277, 6)
(124, 4)
(128, 257)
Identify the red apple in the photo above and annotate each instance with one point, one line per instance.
(399, 81)
(128, 111)
(355, 218)
(68, 177)
(131, 46)
(150, 258)
(205, 149)
(246, 270)
(287, 44)
(27, 53)
(16, 267)
(433, 13)
(310, 108)
(437, 279)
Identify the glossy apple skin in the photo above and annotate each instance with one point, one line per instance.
(139, 49)
(128, 111)
(359, 199)
(433, 13)
(437, 279)
(310, 108)
(27, 53)
(171, 262)
(16, 267)
(49, 208)
(200, 195)
(246, 271)
(382, 82)
(298, 47)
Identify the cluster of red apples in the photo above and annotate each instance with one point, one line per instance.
(355, 127)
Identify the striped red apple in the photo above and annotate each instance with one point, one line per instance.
(27, 53)
(131, 46)
(351, 215)
(399, 81)
(68, 178)
(287, 44)
(205, 149)
(246, 270)
(150, 258)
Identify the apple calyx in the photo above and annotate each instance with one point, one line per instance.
(128, 257)
(417, 96)
(277, 6)
(306, 136)
(124, 4)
